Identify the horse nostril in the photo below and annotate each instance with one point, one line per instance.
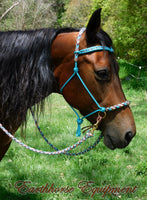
(128, 136)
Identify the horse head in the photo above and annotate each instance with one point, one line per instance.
(99, 71)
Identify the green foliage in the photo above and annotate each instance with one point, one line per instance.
(126, 22)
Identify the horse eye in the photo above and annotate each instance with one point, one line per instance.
(102, 74)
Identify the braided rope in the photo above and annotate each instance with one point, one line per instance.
(92, 127)
(64, 151)
(88, 135)
(41, 133)
(120, 105)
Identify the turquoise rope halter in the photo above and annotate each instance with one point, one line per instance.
(76, 73)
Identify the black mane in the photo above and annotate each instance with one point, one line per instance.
(25, 70)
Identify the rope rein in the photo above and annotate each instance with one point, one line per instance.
(65, 151)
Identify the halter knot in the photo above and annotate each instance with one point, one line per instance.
(79, 122)
(103, 109)
(76, 69)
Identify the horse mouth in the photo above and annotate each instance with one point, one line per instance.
(107, 139)
(109, 142)
(113, 143)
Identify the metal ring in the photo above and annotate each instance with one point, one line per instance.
(103, 114)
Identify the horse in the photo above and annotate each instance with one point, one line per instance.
(36, 63)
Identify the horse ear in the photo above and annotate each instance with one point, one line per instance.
(93, 26)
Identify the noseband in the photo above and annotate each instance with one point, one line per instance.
(76, 73)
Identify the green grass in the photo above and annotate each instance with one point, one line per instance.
(119, 168)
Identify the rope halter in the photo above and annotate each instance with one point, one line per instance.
(76, 73)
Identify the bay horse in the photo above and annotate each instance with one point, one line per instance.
(36, 63)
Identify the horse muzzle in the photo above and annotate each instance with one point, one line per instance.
(115, 139)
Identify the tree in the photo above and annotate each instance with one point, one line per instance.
(29, 14)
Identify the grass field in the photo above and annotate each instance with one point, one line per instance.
(103, 167)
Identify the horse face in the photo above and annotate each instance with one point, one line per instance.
(99, 71)
(101, 77)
